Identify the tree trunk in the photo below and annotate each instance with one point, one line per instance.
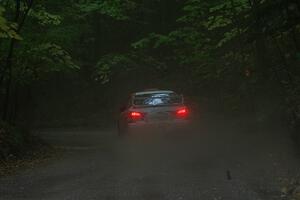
(9, 59)
(8, 65)
(9, 80)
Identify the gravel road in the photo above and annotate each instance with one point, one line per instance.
(211, 165)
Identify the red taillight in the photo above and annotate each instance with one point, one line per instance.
(182, 113)
(135, 116)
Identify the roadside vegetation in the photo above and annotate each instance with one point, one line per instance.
(291, 189)
(20, 149)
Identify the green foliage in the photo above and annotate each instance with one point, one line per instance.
(215, 22)
(112, 65)
(152, 41)
(113, 8)
(38, 53)
(45, 18)
(36, 62)
(7, 30)
(109, 64)
(54, 56)
(195, 11)
(228, 36)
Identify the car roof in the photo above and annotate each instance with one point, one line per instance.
(154, 92)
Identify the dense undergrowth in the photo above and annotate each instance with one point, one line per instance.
(17, 144)
(13, 141)
(19, 149)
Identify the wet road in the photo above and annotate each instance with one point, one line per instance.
(96, 164)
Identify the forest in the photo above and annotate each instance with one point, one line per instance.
(71, 62)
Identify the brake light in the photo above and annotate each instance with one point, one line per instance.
(135, 116)
(182, 113)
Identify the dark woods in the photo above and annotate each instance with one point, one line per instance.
(72, 60)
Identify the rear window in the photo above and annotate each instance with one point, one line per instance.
(157, 99)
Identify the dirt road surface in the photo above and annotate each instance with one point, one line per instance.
(210, 165)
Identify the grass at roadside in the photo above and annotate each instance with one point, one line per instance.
(20, 149)
(291, 189)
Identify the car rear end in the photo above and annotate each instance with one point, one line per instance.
(157, 112)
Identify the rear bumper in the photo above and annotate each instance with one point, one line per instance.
(158, 127)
